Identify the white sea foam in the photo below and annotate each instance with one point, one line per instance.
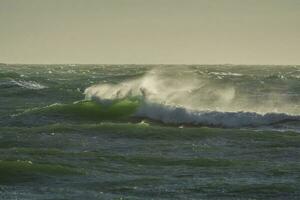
(226, 73)
(28, 84)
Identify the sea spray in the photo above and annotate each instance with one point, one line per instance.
(189, 90)
(183, 98)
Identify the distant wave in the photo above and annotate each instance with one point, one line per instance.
(32, 85)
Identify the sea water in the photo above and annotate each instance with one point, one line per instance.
(149, 132)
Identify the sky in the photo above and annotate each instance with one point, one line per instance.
(150, 31)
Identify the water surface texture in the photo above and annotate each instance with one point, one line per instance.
(149, 132)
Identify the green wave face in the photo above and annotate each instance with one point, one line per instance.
(94, 110)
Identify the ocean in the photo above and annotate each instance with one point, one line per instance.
(149, 132)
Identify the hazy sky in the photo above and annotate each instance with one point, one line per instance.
(150, 31)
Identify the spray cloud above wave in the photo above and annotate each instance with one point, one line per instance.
(187, 89)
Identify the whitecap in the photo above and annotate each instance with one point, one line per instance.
(28, 84)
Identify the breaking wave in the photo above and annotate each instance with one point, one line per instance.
(180, 115)
(185, 99)
(130, 109)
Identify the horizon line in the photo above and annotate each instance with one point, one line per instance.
(229, 64)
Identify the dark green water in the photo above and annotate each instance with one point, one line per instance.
(120, 132)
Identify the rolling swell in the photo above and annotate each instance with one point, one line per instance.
(129, 109)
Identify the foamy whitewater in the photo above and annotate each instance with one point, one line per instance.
(149, 132)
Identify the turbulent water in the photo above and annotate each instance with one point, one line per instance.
(149, 132)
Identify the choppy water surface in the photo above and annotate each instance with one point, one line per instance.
(149, 132)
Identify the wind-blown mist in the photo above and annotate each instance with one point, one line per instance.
(172, 95)
(188, 89)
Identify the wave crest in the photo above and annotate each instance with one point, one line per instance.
(183, 98)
